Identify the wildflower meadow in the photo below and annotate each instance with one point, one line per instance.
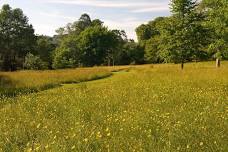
(139, 108)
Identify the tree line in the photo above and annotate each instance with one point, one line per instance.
(83, 43)
(195, 31)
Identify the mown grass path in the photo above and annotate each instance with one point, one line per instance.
(149, 108)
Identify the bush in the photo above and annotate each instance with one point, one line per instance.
(33, 62)
(64, 59)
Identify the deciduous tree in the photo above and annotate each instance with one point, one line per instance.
(16, 37)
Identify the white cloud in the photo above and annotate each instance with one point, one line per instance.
(128, 25)
(45, 29)
(105, 3)
(58, 16)
(136, 7)
(152, 9)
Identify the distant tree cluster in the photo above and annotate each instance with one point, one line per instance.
(195, 31)
(84, 43)
(87, 43)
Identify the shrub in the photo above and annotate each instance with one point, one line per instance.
(33, 62)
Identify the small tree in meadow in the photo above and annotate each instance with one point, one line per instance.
(33, 62)
(181, 46)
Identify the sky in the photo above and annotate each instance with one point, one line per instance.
(48, 15)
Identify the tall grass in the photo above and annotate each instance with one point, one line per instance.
(150, 108)
(14, 83)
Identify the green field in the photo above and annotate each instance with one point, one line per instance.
(144, 108)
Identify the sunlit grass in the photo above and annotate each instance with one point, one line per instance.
(13, 83)
(148, 108)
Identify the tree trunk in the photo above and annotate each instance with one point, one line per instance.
(182, 65)
(109, 61)
(6, 65)
(218, 63)
(113, 62)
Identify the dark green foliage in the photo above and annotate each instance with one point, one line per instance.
(217, 20)
(151, 44)
(16, 38)
(152, 51)
(147, 31)
(94, 43)
(67, 55)
(114, 54)
(180, 38)
(84, 44)
(196, 31)
(44, 48)
(134, 53)
(144, 32)
(87, 42)
(180, 41)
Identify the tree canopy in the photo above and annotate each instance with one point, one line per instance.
(88, 42)
(195, 31)
(16, 37)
